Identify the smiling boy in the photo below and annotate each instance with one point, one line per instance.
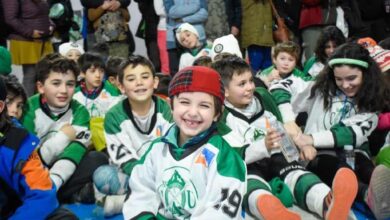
(62, 124)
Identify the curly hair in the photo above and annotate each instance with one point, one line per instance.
(370, 95)
(329, 33)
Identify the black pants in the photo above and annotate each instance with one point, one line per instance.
(275, 166)
(82, 176)
(174, 58)
(62, 214)
(326, 165)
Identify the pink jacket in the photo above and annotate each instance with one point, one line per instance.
(384, 121)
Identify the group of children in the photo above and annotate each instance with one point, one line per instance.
(210, 149)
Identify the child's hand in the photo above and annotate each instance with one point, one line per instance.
(272, 139)
(106, 5)
(69, 131)
(274, 75)
(115, 5)
(37, 34)
(308, 153)
(292, 129)
(306, 144)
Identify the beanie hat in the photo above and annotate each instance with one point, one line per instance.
(5, 61)
(66, 47)
(197, 79)
(381, 57)
(185, 27)
(367, 42)
(225, 44)
(3, 90)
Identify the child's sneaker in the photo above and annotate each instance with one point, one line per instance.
(113, 204)
(271, 208)
(378, 196)
(344, 189)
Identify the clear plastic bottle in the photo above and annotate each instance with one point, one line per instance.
(287, 146)
(349, 155)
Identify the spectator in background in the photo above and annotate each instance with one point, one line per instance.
(30, 36)
(330, 38)
(71, 50)
(148, 30)
(87, 4)
(224, 18)
(162, 35)
(3, 30)
(178, 12)
(257, 32)
(376, 15)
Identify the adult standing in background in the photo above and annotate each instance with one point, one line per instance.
(224, 18)
(30, 36)
(87, 4)
(256, 33)
(178, 12)
(3, 31)
(376, 16)
(149, 24)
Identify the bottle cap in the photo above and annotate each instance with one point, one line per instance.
(348, 147)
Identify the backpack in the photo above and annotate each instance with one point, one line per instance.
(61, 13)
(111, 27)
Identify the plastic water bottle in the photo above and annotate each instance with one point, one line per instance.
(349, 156)
(287, 146)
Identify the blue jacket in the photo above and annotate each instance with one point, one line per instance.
(23, 178)
(191, 11)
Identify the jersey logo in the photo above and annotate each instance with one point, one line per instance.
(178, 193)
(253, 134)
(205, 157)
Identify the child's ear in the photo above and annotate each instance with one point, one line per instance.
(2, 106)
(82, 74)
(156, 81)
(40, 87)
(226, 92)
(121, 88)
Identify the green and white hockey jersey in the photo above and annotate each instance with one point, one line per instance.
(126, 142)
(56, 150)
(99, 102)
(341, 124)
(203, 179)
(247, 135)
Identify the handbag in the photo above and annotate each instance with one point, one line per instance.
(280, 33)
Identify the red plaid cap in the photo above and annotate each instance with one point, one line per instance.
(197, 79)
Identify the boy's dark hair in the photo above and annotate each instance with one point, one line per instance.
(289, 47)
(57, 64)
(5, 120)
(229, 66)
(163, 84)
(385, 43)
(133, 61)
(370, 95)
(113, 65)
(88, 60)
(203, 61)
(329, 33)
(14, 88)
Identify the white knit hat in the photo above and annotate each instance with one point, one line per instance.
(185, 27)
(66, 47)
(381, 56)
(225, 44)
